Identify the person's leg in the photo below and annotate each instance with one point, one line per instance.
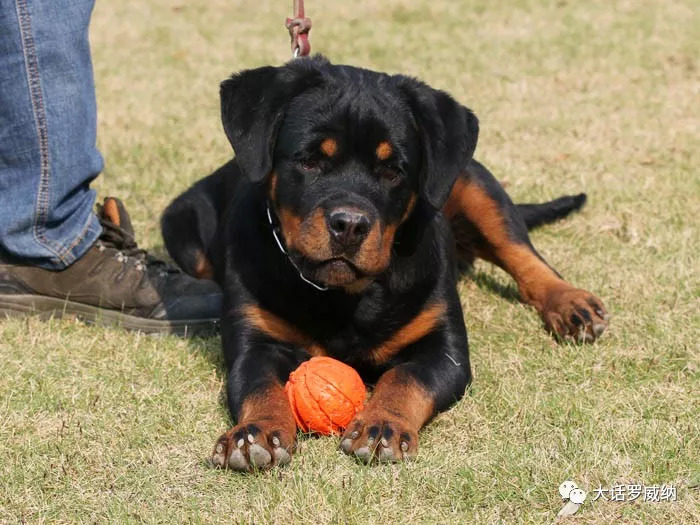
(48, 119)
(57, 256)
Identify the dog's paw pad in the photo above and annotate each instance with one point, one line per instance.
(218, 458)
(259, 457)
(575, 315)
(237, 461)
(376, 436)
(253, 446)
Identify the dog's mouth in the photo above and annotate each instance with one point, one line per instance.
(337, 271)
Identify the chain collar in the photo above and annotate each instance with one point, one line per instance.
(276, 235)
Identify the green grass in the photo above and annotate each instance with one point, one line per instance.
(98, 425)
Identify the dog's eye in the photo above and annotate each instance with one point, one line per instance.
(391, 174)
(310, 165)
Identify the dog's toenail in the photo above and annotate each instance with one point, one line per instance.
(276, 441)
(240, 443)
(404, 446)
(219, 448)
(251, 438)
(384, 442)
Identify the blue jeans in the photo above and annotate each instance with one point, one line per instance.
(48, 121)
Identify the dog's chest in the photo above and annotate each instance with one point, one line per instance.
(351, 333)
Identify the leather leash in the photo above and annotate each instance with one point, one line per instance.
(299, 28)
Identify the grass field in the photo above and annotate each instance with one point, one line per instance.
(99, 425)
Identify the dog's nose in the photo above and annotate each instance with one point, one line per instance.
(348, 227)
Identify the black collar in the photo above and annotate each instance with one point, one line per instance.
(276, 235)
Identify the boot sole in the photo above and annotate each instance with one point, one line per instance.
(48, 307)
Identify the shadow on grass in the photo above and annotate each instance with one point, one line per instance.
(485, 281)
(208, 346)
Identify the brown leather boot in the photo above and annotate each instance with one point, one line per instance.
(114, 283)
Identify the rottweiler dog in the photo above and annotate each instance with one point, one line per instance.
(337, 230)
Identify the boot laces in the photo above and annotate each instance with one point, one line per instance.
(123, 241)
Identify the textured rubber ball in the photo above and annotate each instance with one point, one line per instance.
(325, 394)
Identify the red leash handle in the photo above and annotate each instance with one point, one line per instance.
(299, 28)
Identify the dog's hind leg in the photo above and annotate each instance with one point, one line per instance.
(191, 222)
(488, 225)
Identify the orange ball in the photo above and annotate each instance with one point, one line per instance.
(324, 394)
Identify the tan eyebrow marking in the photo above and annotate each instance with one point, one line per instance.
(329, 147)
(384, 150)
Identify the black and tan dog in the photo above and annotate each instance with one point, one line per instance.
(336, 231)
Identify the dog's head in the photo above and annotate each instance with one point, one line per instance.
(346, 154)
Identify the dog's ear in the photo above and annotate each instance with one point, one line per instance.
(253, 105)
(449, 132)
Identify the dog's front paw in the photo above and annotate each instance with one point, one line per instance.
(377, 435)
(574, 314)
(254, 445)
